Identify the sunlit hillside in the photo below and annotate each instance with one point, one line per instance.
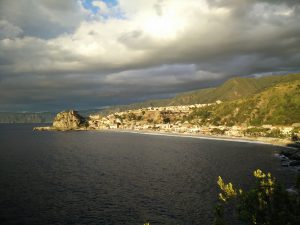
(277, 105)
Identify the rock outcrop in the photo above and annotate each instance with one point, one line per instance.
(291, 157)
(68, 120)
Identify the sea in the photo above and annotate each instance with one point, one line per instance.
(119, 178)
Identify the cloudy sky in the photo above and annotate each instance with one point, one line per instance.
(82, 54)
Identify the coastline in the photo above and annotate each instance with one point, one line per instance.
(246, 139)
(254, 140)
(289, 155)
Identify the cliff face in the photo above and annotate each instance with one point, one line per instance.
(68, 120)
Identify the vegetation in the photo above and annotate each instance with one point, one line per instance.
(277, 105)
(265, 204)
(218, 131)
(233, 89)
(254, 101)
(166, 120)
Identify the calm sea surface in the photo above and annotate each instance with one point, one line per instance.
(119, 178)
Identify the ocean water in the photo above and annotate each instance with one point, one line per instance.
(120, 178)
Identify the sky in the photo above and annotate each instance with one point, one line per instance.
(86, 54)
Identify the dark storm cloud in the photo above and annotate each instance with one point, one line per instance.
(45, 19)
(52, 56)
(36, 91)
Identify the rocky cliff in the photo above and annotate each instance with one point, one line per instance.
(68, 120)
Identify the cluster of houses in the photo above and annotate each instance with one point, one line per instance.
(167, 118)
(172, 119)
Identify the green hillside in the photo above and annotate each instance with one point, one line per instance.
(232, 89)
(277, 105)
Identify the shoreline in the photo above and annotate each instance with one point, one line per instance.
(255, 140)
(289, 155)
(246, 139)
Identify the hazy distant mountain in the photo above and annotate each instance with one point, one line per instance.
(13, 117)
(39, 117)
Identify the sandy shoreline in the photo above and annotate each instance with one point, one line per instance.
(254, 140)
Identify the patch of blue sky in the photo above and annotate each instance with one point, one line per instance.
(88, 4)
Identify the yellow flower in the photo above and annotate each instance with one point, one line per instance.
(228, 191)
(259, 174)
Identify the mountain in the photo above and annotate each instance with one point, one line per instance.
(13, 117)
(276, 105)
(36, 117)
(232, 89)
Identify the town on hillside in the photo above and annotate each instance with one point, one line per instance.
(169, 119)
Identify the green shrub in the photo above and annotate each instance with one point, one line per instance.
(150, 120)
(131, 116)
(256, 131)
(296, 130)
(166, 120)
(217, 131)
(294, 137)
(276, 133)
(265, 204)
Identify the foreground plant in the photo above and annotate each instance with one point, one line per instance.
(266, 204)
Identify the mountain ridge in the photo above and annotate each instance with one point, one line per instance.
(232, 89)
(276, 105)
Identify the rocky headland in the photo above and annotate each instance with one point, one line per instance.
(66, 120)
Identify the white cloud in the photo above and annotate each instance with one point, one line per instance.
(183, 32)
(102, 6)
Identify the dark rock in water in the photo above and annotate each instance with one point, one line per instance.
(290, 157)
(292, 191)
(295, 156)
(295, 144)
(285, 164)
(289, 152)
(68, 120)
(295, 163)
